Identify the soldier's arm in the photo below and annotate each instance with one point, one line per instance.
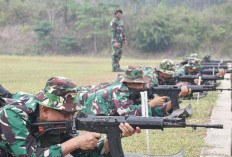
(113, 26)
(123, 33)
(124, 106)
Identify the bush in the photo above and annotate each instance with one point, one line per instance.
(153, 33)
(69, 43)
(43, 30)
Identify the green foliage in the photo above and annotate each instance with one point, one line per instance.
(153, 33)
(68, 43)
(218, 33)
(94, 21)
(160, 25)
(43, 28)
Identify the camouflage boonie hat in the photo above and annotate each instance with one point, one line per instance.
(207, 57)
(134, 74)
(118, 10)
(191, 56)
(193, 64)
(59, 94)
(166, 66)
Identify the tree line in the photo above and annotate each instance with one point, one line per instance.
(152, 26)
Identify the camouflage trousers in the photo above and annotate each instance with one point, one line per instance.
(116, 56)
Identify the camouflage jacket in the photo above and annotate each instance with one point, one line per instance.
(118, 34)
(113, 101)
(19, 139)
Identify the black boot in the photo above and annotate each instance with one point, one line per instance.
(5, 93)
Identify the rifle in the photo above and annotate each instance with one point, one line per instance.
(191, 78)
(109, 125)
(216, 66)
(218, 62)
(213, 71)
(171, 91)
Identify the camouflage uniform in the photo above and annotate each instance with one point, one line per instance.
(166, 66)
(115, 100)
(18, 137)
(192, 63)
(118, 36)
(186, 59)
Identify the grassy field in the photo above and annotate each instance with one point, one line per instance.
(29, 74)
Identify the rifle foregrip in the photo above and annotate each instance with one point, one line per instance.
(146, 122)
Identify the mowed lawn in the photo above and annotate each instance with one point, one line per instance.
(30, 73)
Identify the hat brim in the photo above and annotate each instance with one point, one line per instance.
(43, 100)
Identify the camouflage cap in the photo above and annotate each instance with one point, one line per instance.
(193, 64)
(166, 66)
(118, 10)
(207, 57)
(59, 93)
(134, 74)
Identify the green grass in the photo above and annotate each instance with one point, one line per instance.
(29, 74)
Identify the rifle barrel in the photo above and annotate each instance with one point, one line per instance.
(217, 126)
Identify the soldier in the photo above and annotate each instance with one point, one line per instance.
(162, 74)
(116, 100)
(117, 40)
(186, 59)
(193, 68)
(207, 58)
(57, 102)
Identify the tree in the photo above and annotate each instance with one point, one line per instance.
(95, 21)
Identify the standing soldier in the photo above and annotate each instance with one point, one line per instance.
(117, 40)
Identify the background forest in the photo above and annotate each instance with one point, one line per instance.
(81, 27)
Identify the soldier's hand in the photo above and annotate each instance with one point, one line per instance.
(127, 130)
(125, 43)
(157, 101)
(116, 45)
(87, 140)
(184, 91)
(222, 72)
(196, 81)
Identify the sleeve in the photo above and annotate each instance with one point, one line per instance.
(124, 106)
(159, 111)
(97, 152)
(113, 26)
(19, 137)
(123, 33)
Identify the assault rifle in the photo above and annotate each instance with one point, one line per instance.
(215, 66)
(212, 71)
(217, 62)
(109, 125)
(172, 91)
(191, 78)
